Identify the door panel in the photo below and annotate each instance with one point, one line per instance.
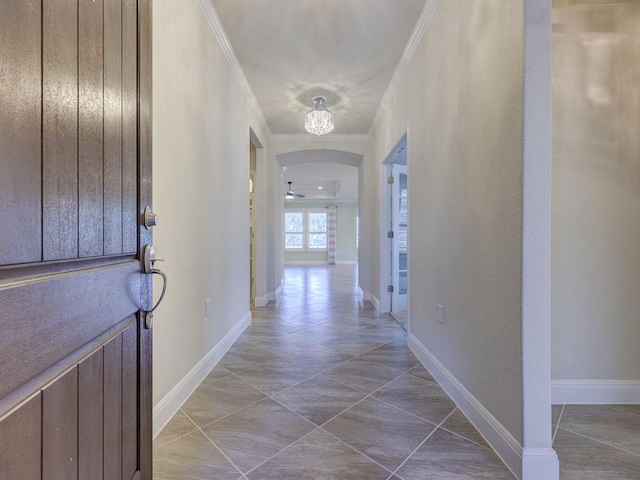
(20, 104)
(113, 409)
(60, 130)
(75, 353)
(129, 403)
(60, 428)
(20, 440)
(112, 127)
(130, 223)
(90, 128)
(90, 415)
(72, 309)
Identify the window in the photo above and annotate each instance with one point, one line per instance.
(317, 230)
(293, 230)
(305, 229)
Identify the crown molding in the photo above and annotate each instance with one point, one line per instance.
(214, 22)
(418, 32)
(303, 137)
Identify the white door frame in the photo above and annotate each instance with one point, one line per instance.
(400, 303)
(385, 219)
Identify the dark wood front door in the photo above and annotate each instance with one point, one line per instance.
(75, 175)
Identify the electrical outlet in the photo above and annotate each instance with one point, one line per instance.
(207, 307)
(440, 313)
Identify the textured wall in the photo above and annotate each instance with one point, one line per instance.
(596, 191)
(201, 170)
(462, 101)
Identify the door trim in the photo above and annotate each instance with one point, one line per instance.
(385, 220)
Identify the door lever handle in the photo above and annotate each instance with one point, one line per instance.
(148, 261)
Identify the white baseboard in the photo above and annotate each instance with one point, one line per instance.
(502, 441)
(593, 392)
(346, 262)
(374, 301)
(166, 408)
(366, 296)
(275, 296)
(540, 463)
(309, 263)
(261, 301)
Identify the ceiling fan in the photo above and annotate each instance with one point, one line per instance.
(291, 195)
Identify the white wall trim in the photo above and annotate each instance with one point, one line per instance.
(166, 408)
(539, 463)
(366, 296)
(421, 26)
(261, 301)
(303, 137)
(502, 441)
(306, 262)
(275, 296)
(374, 301)
(536, 239)
(594, 392)
(216, 26)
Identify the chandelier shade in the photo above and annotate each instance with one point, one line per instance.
(319, 121)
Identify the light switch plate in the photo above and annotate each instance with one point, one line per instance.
(440, 313)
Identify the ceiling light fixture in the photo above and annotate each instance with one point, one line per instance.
(319, 121)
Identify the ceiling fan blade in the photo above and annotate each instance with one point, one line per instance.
(299, 195)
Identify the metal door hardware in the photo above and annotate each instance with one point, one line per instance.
(148, 261)
(149, 219)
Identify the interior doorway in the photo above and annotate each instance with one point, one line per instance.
(395, 256)
(252, 226)
(399, 258)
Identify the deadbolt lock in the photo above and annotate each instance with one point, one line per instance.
(149, 219)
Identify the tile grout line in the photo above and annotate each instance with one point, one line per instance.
(616, 447)
(320, 427)
(218, 448)
(555, 431)
(617, 408)
(395, 472)
(181, 436)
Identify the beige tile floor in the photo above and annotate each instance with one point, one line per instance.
(597, 442)
(321, 386)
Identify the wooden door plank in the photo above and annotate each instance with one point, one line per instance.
(20, 442)
(90, 416)
(72, 308)
(20, 124)
(112, 127)
(113, 409)
(130, 210)
(90, 133)
(60, 428)
(60, 130)
(145, 192)
(129, 402)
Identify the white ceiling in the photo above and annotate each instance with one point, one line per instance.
(344, 50)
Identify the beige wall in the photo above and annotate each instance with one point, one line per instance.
(596, 191)
(461, 100)
(201, 123)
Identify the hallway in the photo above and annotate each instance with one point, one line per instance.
(321, 386)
